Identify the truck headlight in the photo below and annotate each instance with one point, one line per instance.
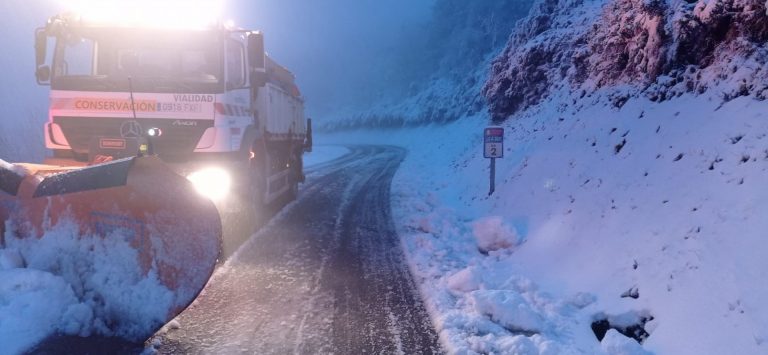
(213, 183)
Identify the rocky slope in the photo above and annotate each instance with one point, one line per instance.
(661, 48)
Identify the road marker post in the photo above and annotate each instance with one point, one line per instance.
(493, 147)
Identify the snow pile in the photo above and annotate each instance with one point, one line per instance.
(492, 234)
(31, 307)
(508, 309)
(74, 285)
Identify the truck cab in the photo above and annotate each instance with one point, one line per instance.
(199, 98)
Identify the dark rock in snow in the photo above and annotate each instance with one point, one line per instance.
(636, 330)
(631, 293)
(617, 149)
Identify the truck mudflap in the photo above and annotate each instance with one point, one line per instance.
(175, 232)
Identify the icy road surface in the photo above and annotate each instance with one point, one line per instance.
(326, 275)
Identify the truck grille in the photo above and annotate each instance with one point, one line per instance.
(179, 139)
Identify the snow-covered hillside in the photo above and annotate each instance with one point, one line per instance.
(600, 214)
(644, 219)
(630, 197)
(661, 48)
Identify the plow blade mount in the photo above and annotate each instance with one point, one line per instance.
(138, 203)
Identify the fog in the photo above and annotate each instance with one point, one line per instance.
(336, 48)
(24, 104)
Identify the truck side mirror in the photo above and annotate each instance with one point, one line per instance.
(256, 54)
(41, 46)
(308, 139)
(257, 60)
(43, 74)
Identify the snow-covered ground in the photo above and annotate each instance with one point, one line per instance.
(651, 210)
(594, 207)
(645, 214)
(630, 195)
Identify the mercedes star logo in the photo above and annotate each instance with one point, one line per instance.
(130, 129)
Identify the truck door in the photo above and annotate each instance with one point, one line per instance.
(236, 103)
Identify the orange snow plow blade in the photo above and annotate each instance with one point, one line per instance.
(175, 232)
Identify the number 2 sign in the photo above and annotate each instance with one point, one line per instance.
(494, 142)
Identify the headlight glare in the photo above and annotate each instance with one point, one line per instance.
(213, 183)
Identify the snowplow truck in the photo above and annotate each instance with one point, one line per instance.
(209, 102)
(152, 132)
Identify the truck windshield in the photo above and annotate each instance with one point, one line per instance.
(98, 59)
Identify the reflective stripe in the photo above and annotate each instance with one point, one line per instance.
(232, 110)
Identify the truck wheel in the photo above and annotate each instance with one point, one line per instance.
(295, 177)
(293, 188)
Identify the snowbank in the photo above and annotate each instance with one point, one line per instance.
(32, 306)
(76, 285)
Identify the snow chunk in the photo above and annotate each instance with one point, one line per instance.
(77, 285)
(616, 344)
(582, 300)
(509, 309)
(465, 280)
(518, 345)
(493, 234)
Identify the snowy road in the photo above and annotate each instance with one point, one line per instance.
(327, 275)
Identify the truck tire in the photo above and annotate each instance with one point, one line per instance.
(296, 176)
